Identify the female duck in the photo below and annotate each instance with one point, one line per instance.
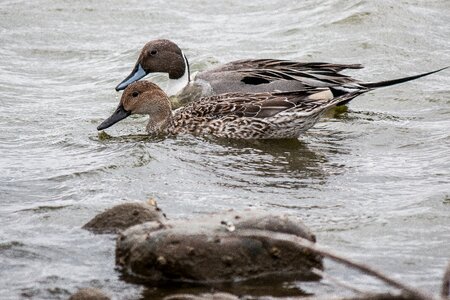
(233, 115)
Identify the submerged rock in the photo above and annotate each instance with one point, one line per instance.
(226, 296)
(210, 249)
(89, 294)
(214, 296)
(123, 216)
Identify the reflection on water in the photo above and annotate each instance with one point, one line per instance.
(257, 289)
(371, 181)
(265, 164)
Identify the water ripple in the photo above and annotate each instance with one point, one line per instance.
(371, 181)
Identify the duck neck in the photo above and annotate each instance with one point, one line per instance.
(157, 125)
(160, 121)
(176, 85)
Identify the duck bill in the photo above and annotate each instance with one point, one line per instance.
(118, 115)
(137, 73)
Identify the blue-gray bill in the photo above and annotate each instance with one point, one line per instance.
(117, 116)
(137, 73)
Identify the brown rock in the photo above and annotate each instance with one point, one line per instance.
(89, 294)
(123, 216)
(226, 296)
(210, 248)
(206, 296)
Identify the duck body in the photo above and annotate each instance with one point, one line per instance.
(247, 75)
(268, 75)
(270, 115)
(267, 115)
(243, 76)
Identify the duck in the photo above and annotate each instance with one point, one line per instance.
(242, 76)
(239, 115)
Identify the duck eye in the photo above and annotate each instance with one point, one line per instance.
(153, 52)
(135, 94)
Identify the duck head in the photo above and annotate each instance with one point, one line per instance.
(142, 97)
(158, 56)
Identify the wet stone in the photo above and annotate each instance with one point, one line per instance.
(123, 216)
(206, 296)
(89, 294)
(226, 296)
(211, 249)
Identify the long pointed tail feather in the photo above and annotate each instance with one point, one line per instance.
(344, 99)
(398, 80)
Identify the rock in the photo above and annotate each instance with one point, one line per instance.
(89, 294)
(210, 248)
(123, 216)
(207, 296)
(226, 296)
(365, 296)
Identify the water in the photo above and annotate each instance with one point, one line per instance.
(372, 183)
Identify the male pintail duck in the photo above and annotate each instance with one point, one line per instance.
(244, 76)
(267, 115)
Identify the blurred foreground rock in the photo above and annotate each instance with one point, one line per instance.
(89, 294)
(214, 296)
(123, 216)
(209, 248)
(213, 250)
(226, 296)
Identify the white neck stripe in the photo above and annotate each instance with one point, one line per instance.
(186, 67)
(174, 86)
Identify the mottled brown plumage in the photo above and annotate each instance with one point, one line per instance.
(232, 115)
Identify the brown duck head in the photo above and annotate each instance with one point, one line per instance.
(158, 56)
(142, 97)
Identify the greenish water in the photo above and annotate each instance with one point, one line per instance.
(372, 183)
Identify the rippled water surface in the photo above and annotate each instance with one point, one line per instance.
(372, 183)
